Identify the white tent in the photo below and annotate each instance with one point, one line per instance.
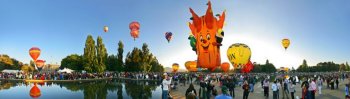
(10, 71)
(66, 70)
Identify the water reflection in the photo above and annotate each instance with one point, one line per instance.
(35, 91)
(92, 90)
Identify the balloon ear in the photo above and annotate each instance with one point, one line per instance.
(197, 22)
(209, 18)
(221, 21)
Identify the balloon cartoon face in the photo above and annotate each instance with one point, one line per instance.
(239, 55)
(34, 52)
(285, 43)
(134, 29)
(207, 31)
(175, 67)
(40, 64)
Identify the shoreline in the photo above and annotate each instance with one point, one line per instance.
(77, 80)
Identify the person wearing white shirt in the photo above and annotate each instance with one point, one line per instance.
(166, 86)
(266, 84)
(319, 84)
(274, 88)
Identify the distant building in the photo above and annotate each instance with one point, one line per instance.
(51, 67)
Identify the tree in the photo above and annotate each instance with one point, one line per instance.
(6, 62)
(133, 60)
(89, 56)
(342, 67)
(120, 64)
(27, 68)
(303, 67)
(112, 63)
(146, 59)
(74, 62)
(347, 67)
(101, 56)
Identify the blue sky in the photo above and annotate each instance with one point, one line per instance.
(319, 29)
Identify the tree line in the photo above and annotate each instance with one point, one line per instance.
(96, 59)
(323, 67)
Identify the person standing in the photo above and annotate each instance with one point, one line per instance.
(319, 85)
(332, 84)
(274, 88)
(224, 94)
(305, 87)
(347, 91)
(166, 86)
(266, 88)
(312, 90)
(245, 90)
(336, 82)
(190, 92)
(231, 86)
(292, 89)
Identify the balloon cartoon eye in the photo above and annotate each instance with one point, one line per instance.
(208, 37)
(201, 38)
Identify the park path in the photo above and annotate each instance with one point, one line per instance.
(258, 93)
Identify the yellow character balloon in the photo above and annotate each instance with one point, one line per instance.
(285, 43)
(239, 55)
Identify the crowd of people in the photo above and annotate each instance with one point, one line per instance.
(281, 85)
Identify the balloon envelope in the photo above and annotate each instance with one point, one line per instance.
(134, 29)
(34, 52)
(225, 66)
(285, 43)
(168, 36)
(191, 66)
(175, 67)
(248, 67)
(105, 28)
(239, 55)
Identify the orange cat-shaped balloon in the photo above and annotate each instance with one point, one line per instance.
(207, 35)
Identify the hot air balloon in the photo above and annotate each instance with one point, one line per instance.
(40, 64)
(175, 67)
(34, 52)
(35, 92)
(134, 29)
(239, 55)
(205, 30)
(191, 66)
(248, 67)
(168, 36)
(285, 43)
(105, 28)
(225, 66)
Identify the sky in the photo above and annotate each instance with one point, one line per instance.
(318, 29)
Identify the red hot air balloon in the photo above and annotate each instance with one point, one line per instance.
(225, 66)
(35, 92)
(34, 52)
(168, 36)
(40, 64)
(248, 67)
(134, 29)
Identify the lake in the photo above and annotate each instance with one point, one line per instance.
(107, 89)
